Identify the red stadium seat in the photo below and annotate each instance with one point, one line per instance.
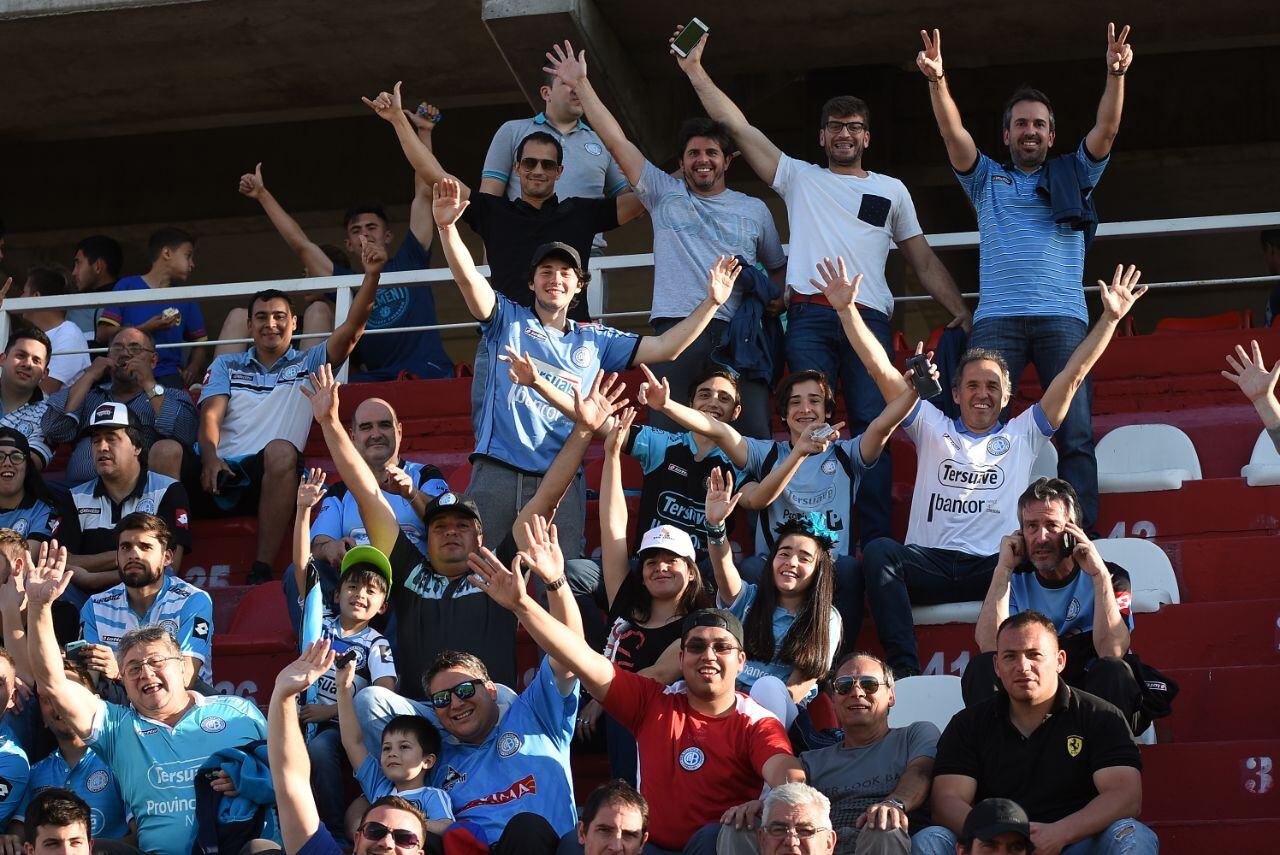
(1224, 321)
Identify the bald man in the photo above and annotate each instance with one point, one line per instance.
(376, 432)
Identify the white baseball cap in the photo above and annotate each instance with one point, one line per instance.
(670, 538)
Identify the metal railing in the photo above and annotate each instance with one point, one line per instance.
(345, 285)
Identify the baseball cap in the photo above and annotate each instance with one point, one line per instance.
(992, 817)
(670, 538)
(10, 436)
(110, 415)
(718, 618)
(557, 248)
(370, 555)
(451, 502)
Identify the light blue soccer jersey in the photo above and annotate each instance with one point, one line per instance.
(263, 402)
(180, 607)
(374, 659)
(824, 483)
(782, 623)
(1069, 602)
(339, 514)
(91, 780)
(432, 801)
(15, 772)
(523, 765)
(514, 425)
(156, 764)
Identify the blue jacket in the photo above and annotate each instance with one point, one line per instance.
(226, 824)
(752, 344)
(1070, 195)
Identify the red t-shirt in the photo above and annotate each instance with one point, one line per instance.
(692, 767)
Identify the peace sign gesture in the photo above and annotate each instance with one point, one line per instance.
(929, 60)
(1119, 54)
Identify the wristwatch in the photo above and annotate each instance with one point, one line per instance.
(898, 803)
(156, 391)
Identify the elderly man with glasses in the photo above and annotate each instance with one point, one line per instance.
(126, 375)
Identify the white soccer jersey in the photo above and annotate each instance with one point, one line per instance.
(967, 486)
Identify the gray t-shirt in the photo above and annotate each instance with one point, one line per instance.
(690, 232)
(856, 778)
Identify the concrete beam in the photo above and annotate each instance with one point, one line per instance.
(43, 8)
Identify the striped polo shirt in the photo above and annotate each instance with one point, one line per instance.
(264, 402)
(180, 607)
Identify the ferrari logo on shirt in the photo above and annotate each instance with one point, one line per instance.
(1075, 744)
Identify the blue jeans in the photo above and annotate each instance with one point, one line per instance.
(1048, 344)
(815, 340)
(1122, 837)
(327, 778)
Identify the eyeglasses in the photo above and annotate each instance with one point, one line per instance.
(834, 127)
(869, 685)
(698, 646)
(155, 663)
(781, 830)
(532, 163)
(12, 457)
(131, 349)
(375, 831)
(462, 691)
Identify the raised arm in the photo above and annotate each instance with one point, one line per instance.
(1110, 632)
(1119, 57)
(310, 491)
(573, 71)
(936, 279)
(421, 223)
(720, 504)
(47, 577)
(669, 345)
(287, 750)
(314, 261)
(447, 205)
(760, 496)
(961, 150)
(543, 556)
(995, 606)
(614, 556)
(1258, 385)
(343, 339)
(388, 106)
(657, 395)
(13, 596)
(508, 589)
(375, 511)
(348, 722)
(761, 154)
(877, 434)
(842, 293)
(1117, 300)
(524, 371)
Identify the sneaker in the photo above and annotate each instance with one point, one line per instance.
(259, 573)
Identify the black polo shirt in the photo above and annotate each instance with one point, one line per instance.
(1050, 772)
(89, 516)
(435, 613)
(512, 229)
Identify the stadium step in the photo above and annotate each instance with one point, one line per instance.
(1215, 703)
(1209, 781)
(1232, 836)
(1228, 568)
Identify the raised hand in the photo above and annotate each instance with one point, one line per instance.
(694, 58)
(543, 553)
(522, 370)
(1119, 53)
(721, 278)
(1013, 549)
(601, 401)
(721, 500)
(617, 438)
(653, 393)
(425, 118)
(808, 445)
(447, 203)
(1084, 552)
(324, 398)
(387, 104)
(47, 576)
(251, 184)
(396, 480)
(506, 587)
(1119, 297)
(345, 676)
(373, 255)
(563, 64)
(836, 285)
(311, 488)
(13, 593)
(295, 677)
(1251, 375)
(929, 60)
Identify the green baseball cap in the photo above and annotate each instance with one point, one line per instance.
(366, 555)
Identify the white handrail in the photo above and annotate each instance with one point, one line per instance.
(344, 285)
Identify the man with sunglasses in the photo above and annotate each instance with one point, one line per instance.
(699, 736)
(513, 228)
(126, 375)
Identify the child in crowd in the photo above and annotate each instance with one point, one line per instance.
(364, 581)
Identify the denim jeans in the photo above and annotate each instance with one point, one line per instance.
(816, 340)
(897, 576)
(1123, 837)
(1048, 344)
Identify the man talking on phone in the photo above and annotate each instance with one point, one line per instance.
(1049, 565)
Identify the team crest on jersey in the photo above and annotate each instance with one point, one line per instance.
(593, 149)
(145, 506)
(691, 759)
(1075, 744)
(290, 373)
(213, 724)
(998, 445)
(20, 526)
(1073, 610)
(581, 356)
(171, 626)
(452, 779)
(508, 744)
(829, 467)
(97, 782)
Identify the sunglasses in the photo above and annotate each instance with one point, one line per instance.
(462, 691)
(844, 685)
(375, 831)
(532, 163)
(698, 646)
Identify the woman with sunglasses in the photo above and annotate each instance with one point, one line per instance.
(791, 627)
(646, 607)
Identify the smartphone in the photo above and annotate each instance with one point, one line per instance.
(926, 386)
(1068, 543)
(345, 659)
(824, 432)
(75, 648)
(689, 37)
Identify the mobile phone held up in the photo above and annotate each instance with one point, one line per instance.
(926, 386)
(689, 37)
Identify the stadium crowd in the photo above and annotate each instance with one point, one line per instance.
(399, 726)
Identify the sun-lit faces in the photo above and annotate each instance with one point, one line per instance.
(1028, 661)
(982, 393)
(1029, 136)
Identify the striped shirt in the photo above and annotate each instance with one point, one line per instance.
(180, 607)
(1027, 263)
(28, 420)
(264, 402)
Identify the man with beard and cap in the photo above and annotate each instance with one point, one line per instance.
(22, 402)
(123, 485)
(1035, 222)
(147, 595)
(126, 375)
(838, 210)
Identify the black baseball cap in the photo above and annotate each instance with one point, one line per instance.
(991, 818)
(11, 436)
(718, 618)
(556, 248)
(451, 502)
